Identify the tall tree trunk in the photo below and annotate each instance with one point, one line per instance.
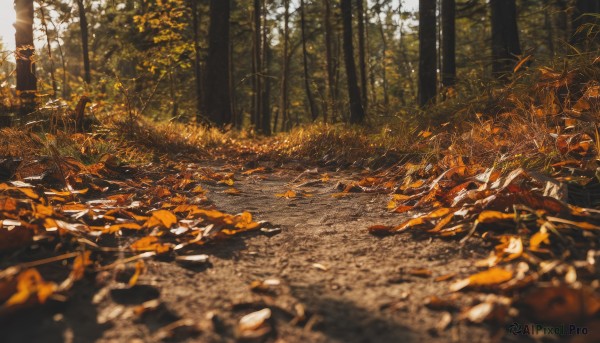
(217, 92)
(329, 60)
(427, 52)
(283, 108)
(362, 64)
(256, 67)
(311, 101)
(172, 92)
(49, 48)
(548, 9)
(266, 94)
(448, 42)
(562, 20)
(505, 37)
(83, 25)
(384, 52)
(357, 114)
(197, 67)
(236, 117)
(370, 71)
(26, 79)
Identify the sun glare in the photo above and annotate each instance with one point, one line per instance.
(7, 19)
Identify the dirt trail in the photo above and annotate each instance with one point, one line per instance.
(361, 295)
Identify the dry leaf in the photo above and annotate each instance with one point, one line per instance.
(254, 320)
(490, 277)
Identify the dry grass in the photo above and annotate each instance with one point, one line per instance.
(503, 125)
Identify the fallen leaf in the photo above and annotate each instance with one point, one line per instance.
(254, 320)
(288, 195)
(150, 243)
(490, 277)
(561, 304)
(163, 218)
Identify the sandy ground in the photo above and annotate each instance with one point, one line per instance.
(351, 286)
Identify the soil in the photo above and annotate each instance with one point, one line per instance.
(351, 286)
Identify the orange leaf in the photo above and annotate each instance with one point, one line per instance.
(403, 208)
(150, 243)
(494, 216)
(252, 171)
(81, 261)
(140, 267)
(288, 195)
(162, 218)
(490, 277)
(30, 287)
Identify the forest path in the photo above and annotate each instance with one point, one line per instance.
(352, 286)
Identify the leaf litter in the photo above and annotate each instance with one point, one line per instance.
(104, 212)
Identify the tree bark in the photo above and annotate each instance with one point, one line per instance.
(505, 37)
(427, 52)
(256, 67)
(197, 66)
(448, 42)
(283, 109)
(266, 94)
(217, 91)
(329, 62)
(357, 114)
(49, 48)
(83, 25)
(362, 51)
(386, 98)
(311, 101)
(26, 79)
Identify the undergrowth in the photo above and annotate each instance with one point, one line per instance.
(541, 116)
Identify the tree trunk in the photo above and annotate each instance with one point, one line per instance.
(548, 8)
(266, 108)
(217, 91)
(26, 79)
(49, 48)
(83, 25)
(361, 51)
(197, 67)
(562, 20)
(386, 98)
(427, 52)
(329, 62)
(256, 67)
(285, 67)
(505, 37)
(311, 101)
(448, 43)
(370, 71)
(357, 114)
